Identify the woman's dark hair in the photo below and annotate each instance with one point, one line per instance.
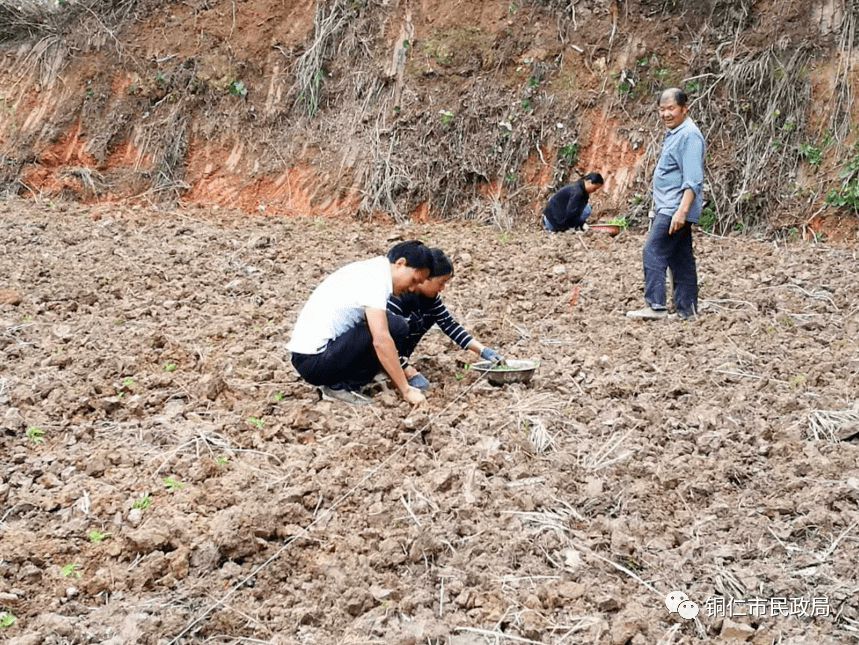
(416, 254)
(594, 178)
(442, 264)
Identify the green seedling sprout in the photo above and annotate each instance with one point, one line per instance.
(6, 618)
(278, 397)
(172, 483)
(618, 221)
(95, 537)
(71, 570)
(259, 423)
(34, 434)
(169, 366)
(237, 88)
(141, 503)
(222, 460)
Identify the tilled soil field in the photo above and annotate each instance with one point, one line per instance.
(167, 478)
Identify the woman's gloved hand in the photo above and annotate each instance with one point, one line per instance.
(419, 381)
(491, 355)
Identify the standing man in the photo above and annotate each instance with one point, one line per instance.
(568, 208)
(344, 332)
(678, 183)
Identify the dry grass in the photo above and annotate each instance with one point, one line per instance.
(329, 22)
(833, 425)
(92, 181)
(29, 19)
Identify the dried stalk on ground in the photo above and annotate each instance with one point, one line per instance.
(833, 425)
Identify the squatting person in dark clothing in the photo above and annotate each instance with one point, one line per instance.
(678, 184)
(344, 332)
(423, 308)
(568, 208)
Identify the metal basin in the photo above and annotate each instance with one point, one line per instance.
(516, 370)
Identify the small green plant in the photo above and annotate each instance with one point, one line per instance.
(459, 375)
(259, 423)
(811, 153)
(619, 221)
(511, 8)
(7, 619)
(131, 89)
(71, 570)
(693, 87)
(738, 226)
(172, 484)
(526, 104)
(222, 460)
(237, 88)
(659, 73)
(169, 366)
(796, 381)
(142, 503)
(445, 117)
(626, 85)
(96, 537)
(707, 219)
(278, 397)
(533, 81)
(569, 152)
(847, 197)
(89, 91)
(34, 434)
(128, 382)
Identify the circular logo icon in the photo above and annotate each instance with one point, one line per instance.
(687, 609)
(673, 600)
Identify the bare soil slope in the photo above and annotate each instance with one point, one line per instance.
(407, 110)
(145, 394)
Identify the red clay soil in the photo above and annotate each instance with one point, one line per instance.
(167, 478)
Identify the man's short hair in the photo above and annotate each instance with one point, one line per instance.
(595, 178)
(675, 93)
(416, 254)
